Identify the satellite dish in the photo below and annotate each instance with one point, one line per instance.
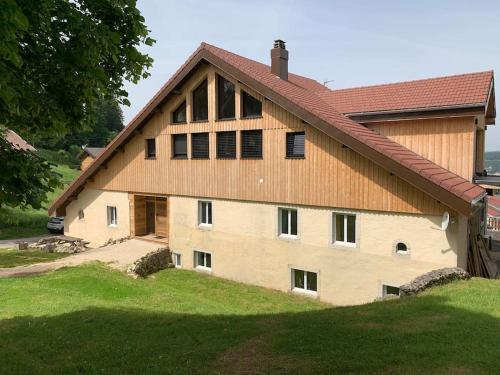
(445, 220)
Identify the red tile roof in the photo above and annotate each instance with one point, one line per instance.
(306, 99)
(451, 91)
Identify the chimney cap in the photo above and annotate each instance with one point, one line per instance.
(278, 43)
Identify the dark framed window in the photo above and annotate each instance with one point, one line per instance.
(250, 107)
(225, 99)
(226, 145)
(179, 146)
(199, 146)
(179, 115)
(150, 148)
(200, 102)
(251, 144)
(295, 145)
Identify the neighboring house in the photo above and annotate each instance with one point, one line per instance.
(88, 155)
(494, 213)
(17, 142)
(265, 177)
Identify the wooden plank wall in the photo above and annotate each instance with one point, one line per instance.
(161, 217)
(448, 142)
(329, 175)
(139, 214)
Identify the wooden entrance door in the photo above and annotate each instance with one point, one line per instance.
(150, 217)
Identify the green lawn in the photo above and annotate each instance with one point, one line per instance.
(92, 320)
(16, 223)
(13, 258)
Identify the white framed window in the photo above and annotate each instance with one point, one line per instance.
(204, 214)
(202, 260)
(344, 229)
(177, 259)
(288, 222)
(389, 290)
(304, 282)
(112, 216)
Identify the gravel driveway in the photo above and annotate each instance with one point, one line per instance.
(119, 256)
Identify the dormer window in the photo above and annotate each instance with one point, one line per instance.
(250, 107)
(200, 102)
(225, 99)
(179, 115)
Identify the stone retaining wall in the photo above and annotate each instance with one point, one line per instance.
(152, 262)
(437, 277)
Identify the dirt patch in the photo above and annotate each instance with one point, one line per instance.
(255, 357)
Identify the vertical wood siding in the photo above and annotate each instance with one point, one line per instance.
(448, 142)
(329, 175)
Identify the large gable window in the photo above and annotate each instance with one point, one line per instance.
(250, 107)
(225, 99)
(179, 146)
(251, 144)
(200, 102)
(226, 145)
(295, 145)
(179, 115)
(199, 146)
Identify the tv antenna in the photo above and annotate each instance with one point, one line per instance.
(325, 83)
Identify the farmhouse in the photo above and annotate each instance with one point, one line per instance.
(259, 175)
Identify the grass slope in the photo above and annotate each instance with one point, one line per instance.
(17, 223)
(13, 258)
(93, 320)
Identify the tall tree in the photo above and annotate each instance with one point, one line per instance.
(57, 59)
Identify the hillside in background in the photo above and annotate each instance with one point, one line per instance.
(492, 162)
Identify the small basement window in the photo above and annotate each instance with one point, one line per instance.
(389, 290)
(177, 259)
(304, 281)
(225, 99)
(295, 145)
(150, 148)
(179, 146)
(202, 260)
(179, 115)
(200, 102)
(250, 107)
(226, 145)
(200, 146)
(251, 144)
(81, 214)
(288, 222)
(112, 216)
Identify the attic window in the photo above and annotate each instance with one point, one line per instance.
(250, 107)
(295, 145)
(225, 98)
(179, 115)
(200, 102)
(150, 148)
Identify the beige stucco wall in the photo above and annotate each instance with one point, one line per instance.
(94, 226)
(245, 247)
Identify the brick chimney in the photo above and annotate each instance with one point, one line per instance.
(279, 60)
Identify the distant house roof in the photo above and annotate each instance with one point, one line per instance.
(93, 152)
(17, 142)
(494, 206)
(470, 89)
(313, 103)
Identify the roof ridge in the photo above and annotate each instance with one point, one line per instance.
(415, 80)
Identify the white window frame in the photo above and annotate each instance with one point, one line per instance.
(344, 243)
(383, 291)
(203, 267)
(200, 211)
(305, 291)
(289, 218)
(112, 223)
(177, 257)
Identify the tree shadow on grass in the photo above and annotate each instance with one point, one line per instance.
(420, 335)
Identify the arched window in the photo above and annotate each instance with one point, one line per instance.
(401, 248)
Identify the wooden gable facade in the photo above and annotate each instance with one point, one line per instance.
(330, 175)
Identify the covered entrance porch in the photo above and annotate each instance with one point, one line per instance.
(149, 217)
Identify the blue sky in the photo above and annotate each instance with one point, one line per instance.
(353, 43)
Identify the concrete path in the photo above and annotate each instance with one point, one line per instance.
(119, 256)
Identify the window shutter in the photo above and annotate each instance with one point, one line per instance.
(295, 145)
(199, 146)
(226, 145)
(251, 144)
